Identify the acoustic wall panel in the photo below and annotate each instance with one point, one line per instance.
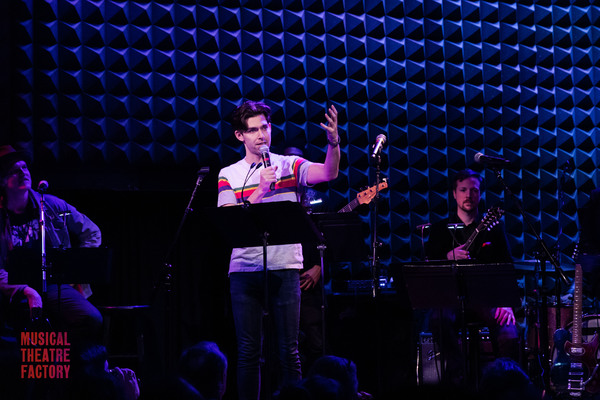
(100, 84)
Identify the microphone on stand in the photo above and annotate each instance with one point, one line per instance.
(379, 142)
(248, 175)
(264, 151)
(202, 172)
(42, 186)
(246, 180)
(491, 160)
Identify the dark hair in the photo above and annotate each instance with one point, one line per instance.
(248, 110)
(464, 174)
(504, 379)
(8, 157)
(203, 366)
(340, 369)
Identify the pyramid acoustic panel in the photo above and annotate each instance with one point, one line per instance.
(137, 84)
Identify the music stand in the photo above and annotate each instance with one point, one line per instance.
(343, 242)
(462, 285)
(441, 284)
(343, 233)
(73, 265)
(264, 224)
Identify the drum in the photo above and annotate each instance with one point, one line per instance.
(533, 329)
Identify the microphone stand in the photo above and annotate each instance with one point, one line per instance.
(166, 279)
(467, 365)
(544, 255)
(376, 289)
(375, 243)
(44, 294)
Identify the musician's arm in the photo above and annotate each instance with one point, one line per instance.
(86, 230)
(10, 291)
(505, 316)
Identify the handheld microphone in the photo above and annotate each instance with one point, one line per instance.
(42, 186)
(379, 142)
(264, 151)
(491, 160)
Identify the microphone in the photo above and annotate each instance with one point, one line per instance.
(202, 172)
(246, 180)
(491, 160)
(264, 151)
(248, 175)
(455, 226)
(42, 186)
(379, 142)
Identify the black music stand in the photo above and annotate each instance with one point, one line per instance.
(343, 234)
(264, 224)
(343, 243)
(73, 265)
(463, 285)
(283, 222)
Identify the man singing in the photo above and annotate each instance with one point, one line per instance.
(252, 126)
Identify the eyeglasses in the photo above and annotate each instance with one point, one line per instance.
(263, 128)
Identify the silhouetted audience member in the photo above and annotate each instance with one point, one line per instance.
(344, 372)
(92, 379)
(204, 367)
(315, 387)
(505, 380)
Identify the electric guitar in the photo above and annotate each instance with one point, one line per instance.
(491, 218)
(583, 371)
(364, 197)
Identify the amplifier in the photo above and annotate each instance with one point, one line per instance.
(429, 365)
(429, 357)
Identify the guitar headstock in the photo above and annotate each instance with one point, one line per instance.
(366, 196)
(491, 218)
(575, 255)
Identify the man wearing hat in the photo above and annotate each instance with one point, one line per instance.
(66, 307)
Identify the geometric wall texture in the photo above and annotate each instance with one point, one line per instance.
(140, 84)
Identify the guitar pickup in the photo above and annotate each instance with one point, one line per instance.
(575, 385)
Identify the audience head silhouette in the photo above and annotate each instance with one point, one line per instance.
(204, 367)
(341, 370)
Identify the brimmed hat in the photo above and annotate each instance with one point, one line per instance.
(8, 157)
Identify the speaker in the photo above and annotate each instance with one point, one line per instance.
(429, 364)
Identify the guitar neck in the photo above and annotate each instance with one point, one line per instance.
(350, 206)
(467, 245)
(577, 306)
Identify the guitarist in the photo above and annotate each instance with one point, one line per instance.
(488, 247)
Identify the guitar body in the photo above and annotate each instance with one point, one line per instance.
(583, 373)
(559, 374)
(587, 357)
